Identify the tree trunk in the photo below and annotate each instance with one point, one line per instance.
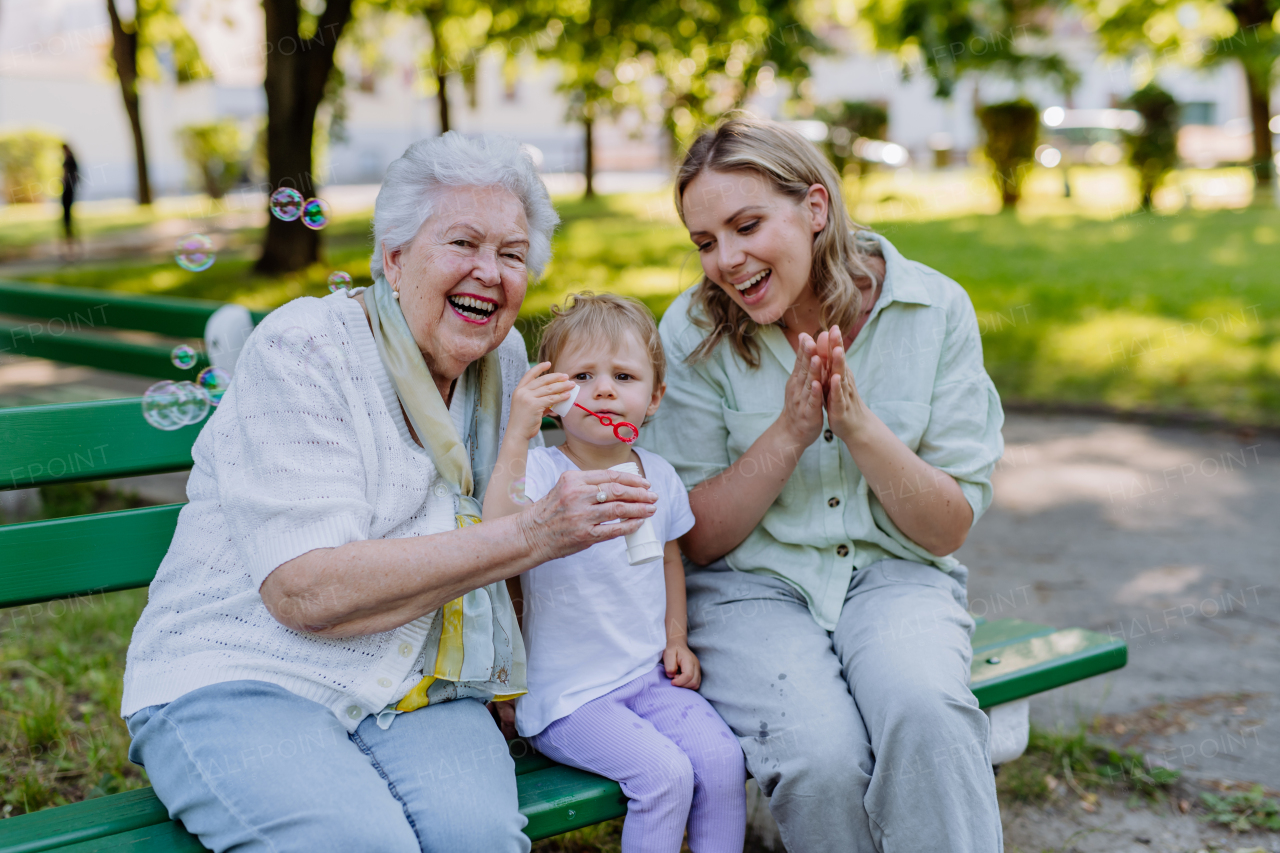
(1260, 114)
(589, 157)
(297, 70)
(442, 96)
(439, 67)
(124, 50)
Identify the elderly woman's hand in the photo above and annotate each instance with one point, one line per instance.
(572, 517)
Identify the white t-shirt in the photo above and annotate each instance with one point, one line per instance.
(593, 622)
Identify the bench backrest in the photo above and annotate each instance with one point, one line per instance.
(70, 442)
(67, 324)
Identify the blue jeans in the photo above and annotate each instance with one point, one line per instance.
(249, 766)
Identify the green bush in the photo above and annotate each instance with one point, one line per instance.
(1010, 129)
(1153, 150)
(31, 163)
(847, 121)
(216, 154)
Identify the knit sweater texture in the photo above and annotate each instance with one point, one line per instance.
(308, 449)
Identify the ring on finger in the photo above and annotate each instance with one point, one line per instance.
(601, 497)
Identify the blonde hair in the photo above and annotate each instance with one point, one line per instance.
(790, 164)
(603, 317)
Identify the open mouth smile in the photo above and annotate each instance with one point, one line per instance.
(755, 285)
(473, 309)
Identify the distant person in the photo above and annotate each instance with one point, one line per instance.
(70, 182)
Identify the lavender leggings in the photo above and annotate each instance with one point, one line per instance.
(675, 758)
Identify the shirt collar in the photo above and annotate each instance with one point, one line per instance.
(901, 279)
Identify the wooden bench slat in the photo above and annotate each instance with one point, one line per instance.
(562, 798)
(1035, 665)
(167, 837)
(87, 308)
(53, 829)
(85, 554)
(100, 351)
(98, 440)
(1002, 632)
(555, 799)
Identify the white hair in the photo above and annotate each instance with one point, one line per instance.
(453, 160)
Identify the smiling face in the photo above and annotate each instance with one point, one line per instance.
(616, 378)
(755, 242)
(462, 278)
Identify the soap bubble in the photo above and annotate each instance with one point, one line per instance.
(172, 405)
(195, 253)
(214, 381)
(159, 406)
(183, 356)
(315, 213)
(517, 491)
(286, 204)
(339, 281)
(193, 403)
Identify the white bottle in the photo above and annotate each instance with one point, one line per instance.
(562, 409)
(643, 545)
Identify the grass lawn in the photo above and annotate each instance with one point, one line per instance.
(1174, 311)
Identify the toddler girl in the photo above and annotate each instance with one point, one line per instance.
(611, 678)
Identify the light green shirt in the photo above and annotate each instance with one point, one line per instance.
(918, 366)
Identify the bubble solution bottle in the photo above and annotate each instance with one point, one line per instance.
(643, 545)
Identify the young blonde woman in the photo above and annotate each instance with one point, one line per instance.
(828, 408)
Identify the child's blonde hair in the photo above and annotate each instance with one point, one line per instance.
(603, 317)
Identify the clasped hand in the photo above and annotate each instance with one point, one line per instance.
(822, 381)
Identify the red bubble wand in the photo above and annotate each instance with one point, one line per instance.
(605, 420)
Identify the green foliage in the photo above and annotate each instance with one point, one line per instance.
(216, 153)
(164, 44)
(949, 38)
(709, 55)
(31, 163)
(1199, 34)
(849, 120)
(1153, 150)
(1010, 129)
(1056, 758)
(1244, 811)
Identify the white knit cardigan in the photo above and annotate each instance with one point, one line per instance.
(307, 450)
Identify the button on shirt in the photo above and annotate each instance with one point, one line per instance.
(918, 366)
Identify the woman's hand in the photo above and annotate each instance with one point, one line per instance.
(536, 393)
(572, 518)
(801, 416)
(846, 413)
(682, 666)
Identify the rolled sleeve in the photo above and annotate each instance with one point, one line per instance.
(963, 437)
(297, 475)
(689, 429)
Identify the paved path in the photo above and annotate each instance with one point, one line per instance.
(1169, 538)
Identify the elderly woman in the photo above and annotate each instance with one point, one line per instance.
(312, 667)
(827, 404)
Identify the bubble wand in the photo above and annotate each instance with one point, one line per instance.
(605, 420)
(562, 409)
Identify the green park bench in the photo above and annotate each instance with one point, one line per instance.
(104, 552)
(82, 326)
